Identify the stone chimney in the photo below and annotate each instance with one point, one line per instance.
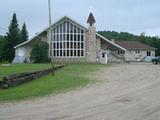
(91, 40)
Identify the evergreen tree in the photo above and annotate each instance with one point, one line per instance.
(12, 39)
(23, 34)
(2, 43)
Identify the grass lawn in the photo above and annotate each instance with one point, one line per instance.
(70, 77)
(19, 68)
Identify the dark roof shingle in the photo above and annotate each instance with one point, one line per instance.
(134, 45)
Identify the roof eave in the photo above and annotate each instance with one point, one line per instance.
(111, 42)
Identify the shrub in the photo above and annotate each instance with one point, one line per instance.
(39, 53)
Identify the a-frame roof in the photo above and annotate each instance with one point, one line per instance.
(65, 18)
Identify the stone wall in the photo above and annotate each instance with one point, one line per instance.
(91, 45)
(131, 55)
(98, 50)
(69, 60)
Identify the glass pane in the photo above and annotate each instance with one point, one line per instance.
(82, 31)
(71, 29)
(67, 53)
(75, 37)
(71, 44)
(82, 54)
(61, 53)
(75, 29)
(71, 37)
(67, 37)
(82, 37)
(67, 44)
(64, 27)
(61, 28)
(67, 27)
(54, 45)
(82, 45)
(75, 51)
(78, 53)
(64, 53)
(54, 53)
(78, 45)
(78, 30)
(78, 37)
(71, 53)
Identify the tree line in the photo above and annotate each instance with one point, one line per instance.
(13, 37)
(125, 36)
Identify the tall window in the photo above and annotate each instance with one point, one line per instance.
(67, 41)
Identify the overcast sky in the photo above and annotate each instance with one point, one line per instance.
(134, 16)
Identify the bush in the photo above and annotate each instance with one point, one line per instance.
(39, 53)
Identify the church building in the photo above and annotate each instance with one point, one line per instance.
(72, 42)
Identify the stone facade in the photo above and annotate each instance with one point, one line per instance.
(134, 55)
(98, 50)
(91, 45)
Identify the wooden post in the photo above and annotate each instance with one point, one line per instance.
(50, 38)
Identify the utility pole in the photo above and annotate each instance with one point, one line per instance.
(50, 37)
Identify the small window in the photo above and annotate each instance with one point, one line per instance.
(120, 52)
(148, 53)
(137, 52)
(103, 55)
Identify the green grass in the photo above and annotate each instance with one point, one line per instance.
(70, 77)
(19, 68)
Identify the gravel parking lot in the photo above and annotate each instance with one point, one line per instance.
(125, 92)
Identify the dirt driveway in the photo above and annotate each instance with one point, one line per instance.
(126, 92)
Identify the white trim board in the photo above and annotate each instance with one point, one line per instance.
(110, 42)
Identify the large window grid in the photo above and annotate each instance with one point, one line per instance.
(67, 41)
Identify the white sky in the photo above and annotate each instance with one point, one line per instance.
(134, 16)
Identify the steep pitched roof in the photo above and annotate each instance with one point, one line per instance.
(134, 45)
(46, 29)
(114, 44)
(91, 19)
